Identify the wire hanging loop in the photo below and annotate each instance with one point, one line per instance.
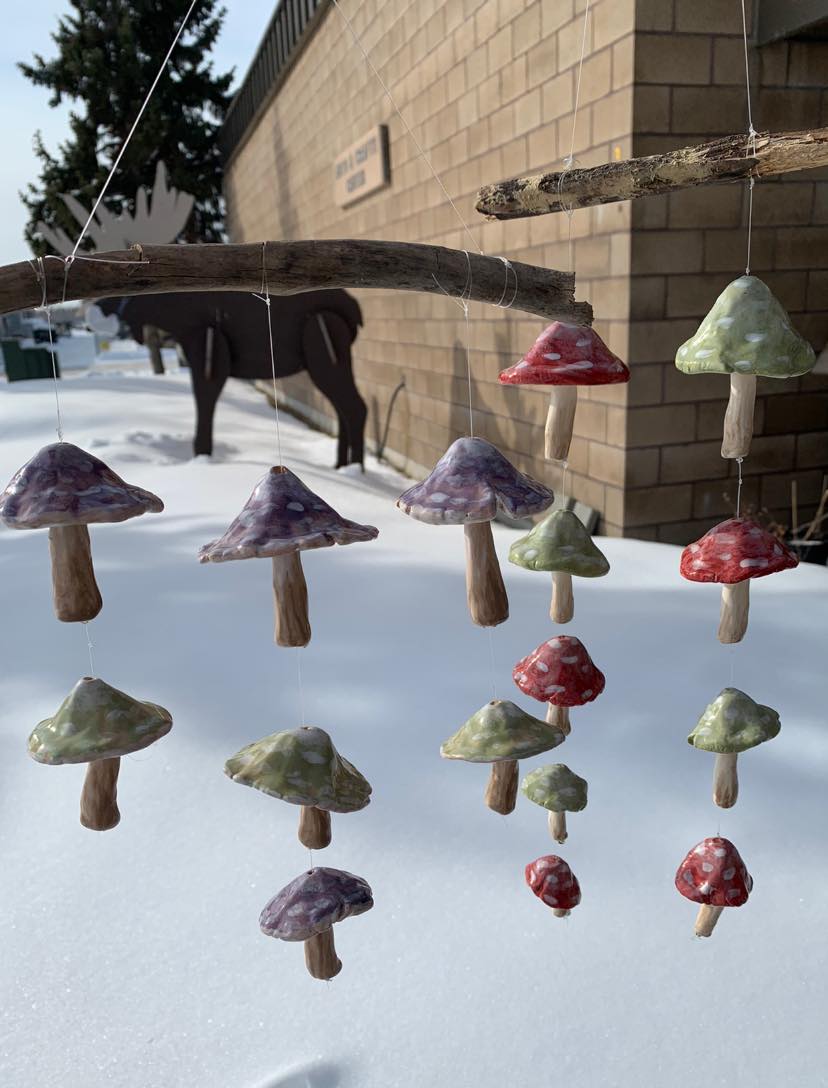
(265, 298)
(751, 138)
(463, 302)
(40, 275)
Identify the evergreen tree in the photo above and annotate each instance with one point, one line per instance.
(109, 52)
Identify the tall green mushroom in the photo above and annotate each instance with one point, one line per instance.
(560, 544)
(97, 724)
(556, 788)
(747, 334)
(501, 733)
(731, 724)
(302, 766)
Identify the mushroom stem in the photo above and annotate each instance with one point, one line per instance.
(75, 592)
(733, 620)
(314, 827)
(562, 608)
(486, 593)
(557, 826)
(738, 420)
(321, 959)
(559, 717)
(563, 399)
(561, 913)
(501, 789)
(725, 780)
(290, 600)
(706, 919)
(99, 799)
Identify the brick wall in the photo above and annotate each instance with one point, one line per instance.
(689, 74)
(488, 88)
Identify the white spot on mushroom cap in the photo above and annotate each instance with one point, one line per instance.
(586, 694)
(687, 876)
(743, 364)
(439, 496)
(707, 867)
(725, 322)
(551, 356)
(542, 666)
(550, 899)
(755, 337)
(296, 506)
(553, 689)
(569, 660)
(733, 893)
(729, 874)
(704, 353)
(720, 852)
(754, 563)
(530, 553)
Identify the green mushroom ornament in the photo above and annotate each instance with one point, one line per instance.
(747, 335)
(731, 724)
(97, 724)
(556, 788)
(501, 733)
(302, 766)
(560, 544)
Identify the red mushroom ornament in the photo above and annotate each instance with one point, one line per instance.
(733, 552)
(560, 673)
(714, 875)
(563, 357)
(554, 883)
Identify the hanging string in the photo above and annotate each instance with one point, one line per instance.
(463, 303)
(131, 132)
(564, 467)
(739, 461)
(265, 298)
(301, 688)
(420, 151)
(751, 138)
(492, 662)
(40, 274)
(570, 160)
(89, 648)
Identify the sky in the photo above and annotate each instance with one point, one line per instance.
(24, 108)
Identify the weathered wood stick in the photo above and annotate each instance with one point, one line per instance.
(729, 158)
(293, 267)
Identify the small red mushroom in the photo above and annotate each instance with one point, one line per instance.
(714, 875)
(565, 356)
(562, 674)
(733, 552)
(553, 882)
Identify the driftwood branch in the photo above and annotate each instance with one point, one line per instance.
(293, 267)
(727, 159)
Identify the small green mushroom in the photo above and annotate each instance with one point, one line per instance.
(501, 733)
(302, 766)
(560, 544)
(557, 789)
(747, 333)
(732, 723)
(97, 724)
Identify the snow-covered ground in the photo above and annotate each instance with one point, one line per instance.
(133, 958)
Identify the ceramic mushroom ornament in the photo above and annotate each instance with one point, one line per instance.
(733, 552)
(562, 358)
(731, 724)
(747, 335)
(554, 883)
(65, 489)
(302, 766)
(561, 674)
(281, 519)
(97, 724)
(501, 733)
(307, 910)
(470, 483)
(714, 875)
(560, 544)
(555, 788)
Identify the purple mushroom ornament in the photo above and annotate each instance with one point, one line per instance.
(307, 910)
(281, 519)
(470, 484)
(65, 489)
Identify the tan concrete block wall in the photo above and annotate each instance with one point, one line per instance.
(488, 88)
(689, 71)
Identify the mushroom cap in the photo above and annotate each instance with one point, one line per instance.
(567, 354)
(734, 723)
(96, 721)
(64, 485)
(714, 873)
(470, 483)
(553, 882)
(561, 672)
(734, 550)
(556, 788)
(283, 516)
(499, 731)
(746, 332)
(301, 766)
(314, 902)
(559, 543)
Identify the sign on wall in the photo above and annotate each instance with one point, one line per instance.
(362, 168)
